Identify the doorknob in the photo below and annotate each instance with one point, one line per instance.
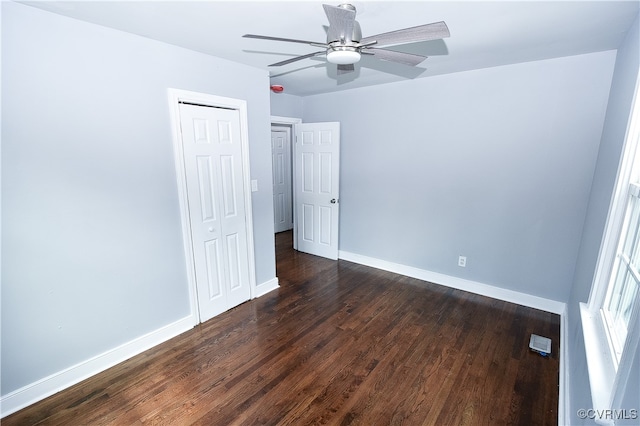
(211, 229)
(333, 201)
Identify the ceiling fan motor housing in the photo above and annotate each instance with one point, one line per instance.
(335, 34)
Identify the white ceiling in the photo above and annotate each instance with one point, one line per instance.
(483, 34)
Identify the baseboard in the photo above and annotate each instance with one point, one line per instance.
(266, 287)
(482, 289)
(564, 407)
(56, 382)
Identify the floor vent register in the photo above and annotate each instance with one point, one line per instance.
(541, 345)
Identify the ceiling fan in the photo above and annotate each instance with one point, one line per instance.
(345, 43)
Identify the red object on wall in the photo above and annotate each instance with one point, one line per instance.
(276, 88)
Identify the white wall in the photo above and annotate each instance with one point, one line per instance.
(611, 145)
(493, 164)
(285, 105)
(92, 251)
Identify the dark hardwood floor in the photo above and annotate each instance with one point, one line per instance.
(338, 343)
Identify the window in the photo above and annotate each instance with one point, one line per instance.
(622, 291)
(611, 318)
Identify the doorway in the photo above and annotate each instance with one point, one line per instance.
(315, 183)
(282, 180)
(280, 123)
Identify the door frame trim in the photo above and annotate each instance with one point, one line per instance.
(276, 119)
(175, 97)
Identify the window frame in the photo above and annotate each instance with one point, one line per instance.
(607, 376)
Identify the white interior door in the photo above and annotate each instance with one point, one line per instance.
(214, 179)
(317, 183)
(282, 191)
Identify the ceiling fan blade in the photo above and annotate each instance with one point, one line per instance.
(393, 56)
(297, 58)
(345, 68)
(341, 22)
(291, 40)
(434, 31)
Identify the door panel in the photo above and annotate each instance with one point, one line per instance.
(325, 174)
(229, 190)
(233, 261)
(215, 277)
(214, 176)
(207, 194)
(324, 222)
(307, 223)
(317, 167)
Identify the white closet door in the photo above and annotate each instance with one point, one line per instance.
(214, 177)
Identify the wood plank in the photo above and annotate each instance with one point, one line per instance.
(337, 343)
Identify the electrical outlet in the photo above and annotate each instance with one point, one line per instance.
(462, 261)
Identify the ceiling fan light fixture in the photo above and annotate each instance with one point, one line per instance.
(343, 57)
